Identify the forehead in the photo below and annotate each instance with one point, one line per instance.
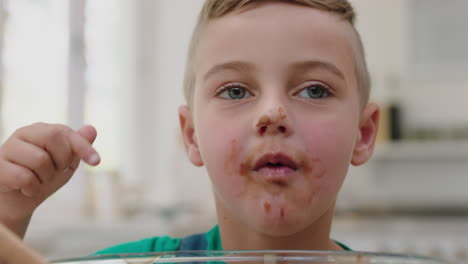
(275, 33)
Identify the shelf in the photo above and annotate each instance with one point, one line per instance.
(422, 150)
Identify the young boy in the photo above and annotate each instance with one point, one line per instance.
(277, 108)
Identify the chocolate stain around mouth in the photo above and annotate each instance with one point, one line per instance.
(267, 207)
(309, 167)
(247, 166)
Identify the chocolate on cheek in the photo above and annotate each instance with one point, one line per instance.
(238, 180)
(314, 174)
(245, 171)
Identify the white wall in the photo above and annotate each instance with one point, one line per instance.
(382, 25)
(430, 97)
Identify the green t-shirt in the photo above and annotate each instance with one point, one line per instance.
(164, 243)
(212, 241)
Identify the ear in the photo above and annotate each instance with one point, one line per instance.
(365, 141)
(188, 135)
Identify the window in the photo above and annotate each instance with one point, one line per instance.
(35, 52)
(36, 87)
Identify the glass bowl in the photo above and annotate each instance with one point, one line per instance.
(254, 257)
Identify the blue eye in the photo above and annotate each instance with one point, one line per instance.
(314, 91)
(235, 93)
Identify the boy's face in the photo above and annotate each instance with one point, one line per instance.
(276, 117)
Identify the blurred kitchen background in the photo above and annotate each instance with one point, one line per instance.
(118, 65)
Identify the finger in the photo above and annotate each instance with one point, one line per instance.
(74, 165)
(64, 176)
(62, 151)
(59, 148)
(30, 190)
(10, 177)
(4, 189)
(52, 138)
(88, 132)
(83, 149)
(16, 177)
(32, 157)
(33, 186)
(45, 135)
(71, 169)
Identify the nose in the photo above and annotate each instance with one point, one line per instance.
(273, 123)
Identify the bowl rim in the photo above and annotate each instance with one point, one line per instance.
(265, 256)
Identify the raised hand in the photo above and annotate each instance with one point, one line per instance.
(36, 161)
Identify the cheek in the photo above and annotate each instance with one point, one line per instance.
(220, 144)
(330, 141)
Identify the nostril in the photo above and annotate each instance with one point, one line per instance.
(262, 130)
(282, 129)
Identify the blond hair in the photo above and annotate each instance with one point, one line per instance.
(213, 9)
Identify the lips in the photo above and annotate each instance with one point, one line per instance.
(275, 167)
(275, 160)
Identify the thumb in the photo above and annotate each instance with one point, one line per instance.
(88, 132)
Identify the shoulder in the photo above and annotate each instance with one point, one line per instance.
(203, 241)
(343, 246)
(164, 243)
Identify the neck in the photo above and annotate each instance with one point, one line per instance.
(238, 236)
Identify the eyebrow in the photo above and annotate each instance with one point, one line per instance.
(319, 64)
(241, 66)
(238, 66)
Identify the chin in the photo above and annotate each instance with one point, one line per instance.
(280, 225)
(280, 231)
